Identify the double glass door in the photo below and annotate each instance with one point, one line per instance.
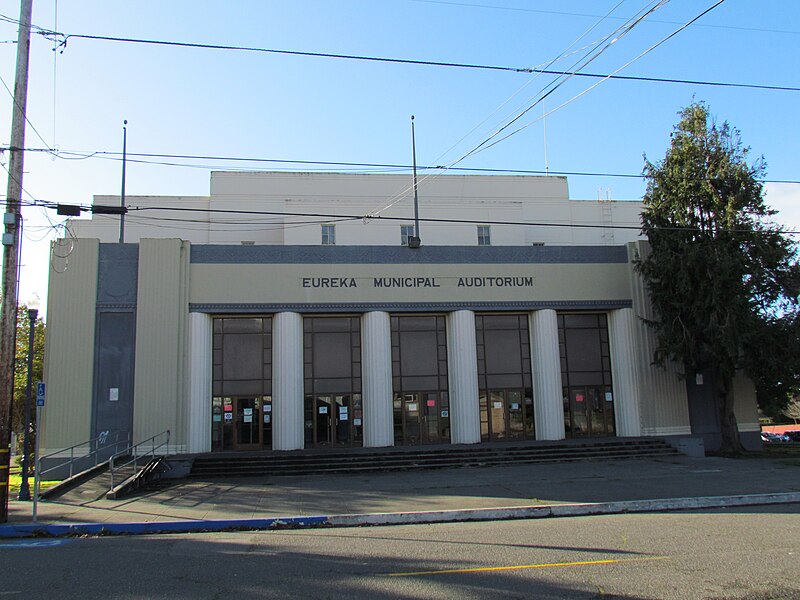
(242, 423)
(333, 420)
(421, 418)
(506, 415)
(589, 411)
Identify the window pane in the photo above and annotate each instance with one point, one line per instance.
(328, 235)
(242, 325)
(242, 357)
(332, 355)
(483, 235)
(583, 350)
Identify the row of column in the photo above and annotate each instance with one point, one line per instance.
(376, 373)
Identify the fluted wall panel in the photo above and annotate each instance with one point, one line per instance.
(546, 373)
(69, 344)
(376, 376)
(625, 372)
(462, 366)
(665, 410)
(162, 311)
(287, 381)
(200, 369)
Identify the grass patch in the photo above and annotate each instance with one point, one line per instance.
(15, 481)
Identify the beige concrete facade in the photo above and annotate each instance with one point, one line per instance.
(172, 294)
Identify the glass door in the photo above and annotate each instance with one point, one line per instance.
(241, 423)
(247, 423)
(323, 411)
(497, 415)
(506, 414)
(589, 411)
(516, 414)
(333, 420)
(421, 418)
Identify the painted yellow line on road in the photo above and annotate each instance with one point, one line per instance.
(539, 566)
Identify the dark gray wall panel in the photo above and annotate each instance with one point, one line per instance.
(404, 307)
(229, 254)
(114, 358)
(117, 275)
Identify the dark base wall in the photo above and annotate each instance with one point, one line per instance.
(751, 440)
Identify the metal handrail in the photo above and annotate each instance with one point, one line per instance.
(130, 451)
(101, 442)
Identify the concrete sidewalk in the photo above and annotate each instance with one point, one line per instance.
(464, 489)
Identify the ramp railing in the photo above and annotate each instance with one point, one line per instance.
(101, 445)
(137, 455)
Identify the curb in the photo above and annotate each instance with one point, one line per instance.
(397, 518)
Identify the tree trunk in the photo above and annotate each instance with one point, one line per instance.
(731, 443)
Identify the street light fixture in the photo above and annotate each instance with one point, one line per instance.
(24, 488)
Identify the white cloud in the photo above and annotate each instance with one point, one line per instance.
(785, 198)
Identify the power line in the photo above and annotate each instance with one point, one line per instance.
(27, 120)
(574, 14)
(580, 64)
(112, 155)
(367, 218)
(63, 38)
(483, 145)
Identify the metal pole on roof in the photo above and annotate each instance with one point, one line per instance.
(416, 241)
(122, 194)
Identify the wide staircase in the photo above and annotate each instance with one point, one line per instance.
(361, 460)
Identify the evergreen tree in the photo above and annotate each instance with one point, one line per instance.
(21, 367)
(723, 279)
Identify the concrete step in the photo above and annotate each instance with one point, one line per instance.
(231, 464)
(358, 454)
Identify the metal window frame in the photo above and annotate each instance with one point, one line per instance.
(484, 235)
(328, 233)
(406, 232)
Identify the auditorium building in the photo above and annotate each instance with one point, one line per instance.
(291, 311)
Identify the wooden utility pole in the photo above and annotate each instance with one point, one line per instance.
(11, 244)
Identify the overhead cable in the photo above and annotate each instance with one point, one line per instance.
(113, 155)
(138, 209)
(63, 38)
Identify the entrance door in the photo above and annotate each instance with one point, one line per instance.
(592, 411)
(247, 423)
(241, 423)
(421, 418)
(506, 415)
(333, 420)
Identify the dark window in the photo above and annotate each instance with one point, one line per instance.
(242, 356)
(332, 371)
(504, 376)
(586, 374)
(419, 379)
(241, 383)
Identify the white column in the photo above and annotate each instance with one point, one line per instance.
(376, 377)
(624, 371)
(287, 381)
(200, 365)
(462, 368)
(546, 372)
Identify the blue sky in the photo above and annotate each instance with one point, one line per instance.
(231, 103)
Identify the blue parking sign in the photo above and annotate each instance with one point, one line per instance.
(40, 394)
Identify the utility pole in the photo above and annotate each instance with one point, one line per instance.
(11, 243)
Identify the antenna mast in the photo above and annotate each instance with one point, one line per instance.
(544, 122)
(122, 194)
(415, 241)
